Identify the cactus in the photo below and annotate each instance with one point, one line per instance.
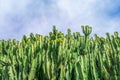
(60, 56)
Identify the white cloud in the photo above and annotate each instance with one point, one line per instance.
(91, 12)
(26, 16)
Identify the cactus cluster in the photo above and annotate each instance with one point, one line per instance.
(61, 57)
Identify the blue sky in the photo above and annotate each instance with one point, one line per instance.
(19, 17)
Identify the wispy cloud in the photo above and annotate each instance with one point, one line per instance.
(38, 16)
